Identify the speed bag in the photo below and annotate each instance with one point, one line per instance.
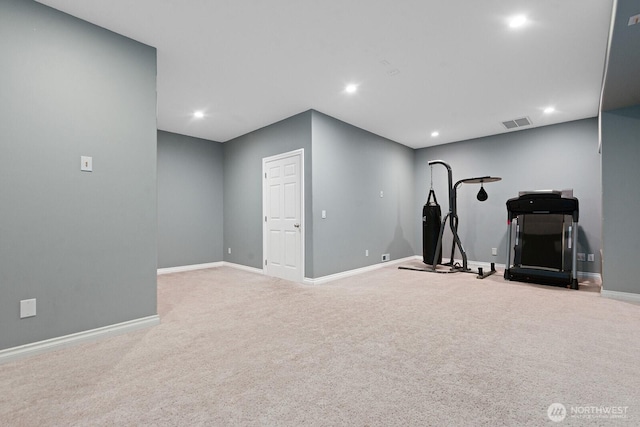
(431, 217)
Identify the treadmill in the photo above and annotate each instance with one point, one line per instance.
(542, 238)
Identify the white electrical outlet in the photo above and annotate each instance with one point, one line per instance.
(385, 257)
(27, 308)
(580, 256)
(324, 214)
(366, 252)
(381, 193)
(494, 251)
(229, 250)
(591, 258)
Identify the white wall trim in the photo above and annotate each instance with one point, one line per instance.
(625, 296)
(471, 264)
(58, 343)
(243, 267)
(582, 275)
(342, 275)
(191, 267)
(589, 275)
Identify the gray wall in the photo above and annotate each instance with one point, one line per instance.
(83, 244)
(620, 180)
(350, 169)
(243, 186)
(622, 85)
(345, 170)
(553, 157)
(190, 196)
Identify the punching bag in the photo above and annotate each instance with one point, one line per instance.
(431, 218)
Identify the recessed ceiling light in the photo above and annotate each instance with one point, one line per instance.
(351, 88)
(549, 110)
(517, 21)
(435, 133)
(198, 114)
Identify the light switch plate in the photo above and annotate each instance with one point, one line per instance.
(86, 163)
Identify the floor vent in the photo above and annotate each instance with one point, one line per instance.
(517, 123)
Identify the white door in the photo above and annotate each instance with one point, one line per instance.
(283, 233)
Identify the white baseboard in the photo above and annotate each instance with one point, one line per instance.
(306, 280)
(582, 275)
(342, 275)
(625, 296)
(58, 343)
(586, 275)
(192, 267)
(484, 265)
(243, 267)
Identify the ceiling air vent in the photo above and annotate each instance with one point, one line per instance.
(517, 123)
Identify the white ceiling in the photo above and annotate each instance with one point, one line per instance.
(420, 65)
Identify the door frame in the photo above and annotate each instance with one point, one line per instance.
(265, 255)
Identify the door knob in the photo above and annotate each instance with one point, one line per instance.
(296, 225)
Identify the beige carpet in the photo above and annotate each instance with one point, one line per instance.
(390, 347)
